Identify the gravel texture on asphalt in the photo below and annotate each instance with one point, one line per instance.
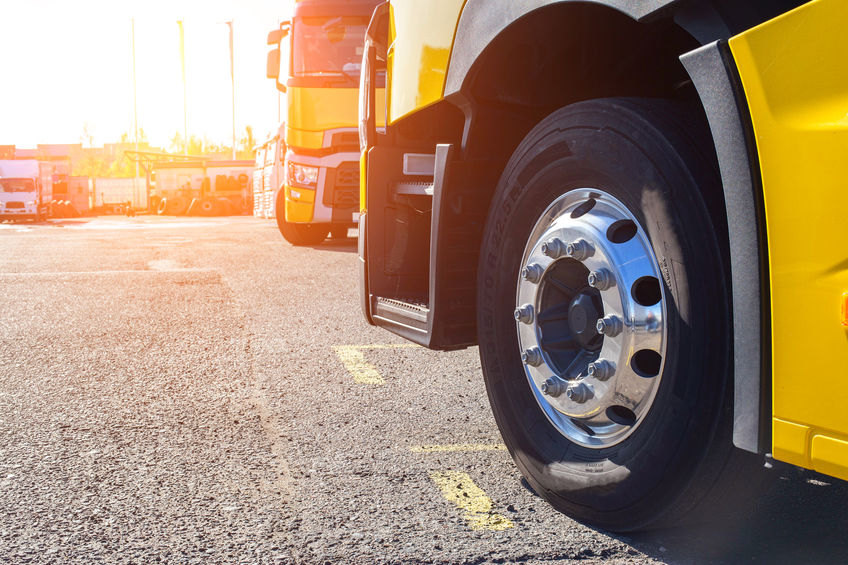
(170, 391)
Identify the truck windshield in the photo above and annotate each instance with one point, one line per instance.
(328, 46)
(16, 185)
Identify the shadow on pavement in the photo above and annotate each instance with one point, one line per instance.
(346, 245)
(801, 519)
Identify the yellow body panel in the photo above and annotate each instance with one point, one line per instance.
(795, 78)
(311, 111)
(418, 65)
(300, 211)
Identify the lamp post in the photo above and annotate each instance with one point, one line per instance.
(233, 84)
(135, 114)
(185, 99)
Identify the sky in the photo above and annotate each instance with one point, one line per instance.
(67, 68)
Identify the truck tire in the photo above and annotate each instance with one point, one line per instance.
(303, 234)
(208, 206)
(161, 206)
(604, 319)
(176, 206)
(226, 207)
(298, 234)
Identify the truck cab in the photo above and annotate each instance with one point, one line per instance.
(26, 187)
(317, 64)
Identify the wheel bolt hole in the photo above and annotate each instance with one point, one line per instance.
(586, 429)
(646, 363)
(646, 291)
(583, 208)
(621, 231)
(621, 415)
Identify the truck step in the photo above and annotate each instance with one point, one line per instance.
(414, 313)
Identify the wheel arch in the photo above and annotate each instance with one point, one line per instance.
(502, 98)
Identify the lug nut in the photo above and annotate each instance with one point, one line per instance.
(579, 249)
(554, 248)
(532, 273)
(601, 279)
(554, 386)
(610, 326)
(524, 314)
(601, 369)
(532, 356)
(579, 392)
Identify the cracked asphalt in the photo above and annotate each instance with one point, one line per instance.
(190, 390)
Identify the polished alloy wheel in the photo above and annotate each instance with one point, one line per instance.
(590, 315)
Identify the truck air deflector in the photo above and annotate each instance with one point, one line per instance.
(713, 73)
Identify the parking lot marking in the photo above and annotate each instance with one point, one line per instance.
(457, 447)
(458, 488)
(363, 372)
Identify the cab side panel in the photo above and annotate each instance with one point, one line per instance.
(419, 63)
(796, 82)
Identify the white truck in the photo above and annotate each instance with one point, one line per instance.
(268, 176)
(26, 189)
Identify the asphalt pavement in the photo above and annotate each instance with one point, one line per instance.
(196, 390)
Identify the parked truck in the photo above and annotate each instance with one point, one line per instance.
(26, 189)
(316, 62)
(637, 211)
(268, 174)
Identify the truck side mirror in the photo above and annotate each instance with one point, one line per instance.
(272, 69)
(277, 35)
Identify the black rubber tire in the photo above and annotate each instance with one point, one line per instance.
(208, 206)
(303, 234)
(162, 206)
(176, 206)
(648, 155)
(338, 232)
(225, 206)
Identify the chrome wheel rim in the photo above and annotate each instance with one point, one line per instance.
(591, 318)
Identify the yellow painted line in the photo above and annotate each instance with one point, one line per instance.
(457, 447)
(363, 372)
(458, 488)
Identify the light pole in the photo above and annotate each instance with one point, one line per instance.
(135, 114)
(185, 99)
(233, 83)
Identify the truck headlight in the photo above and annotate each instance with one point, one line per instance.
(31, 203)
(302, 174)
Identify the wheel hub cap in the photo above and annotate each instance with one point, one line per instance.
(590, 317)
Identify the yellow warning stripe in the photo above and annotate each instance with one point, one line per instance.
(457, 447)
(363, 372)
(458, 488)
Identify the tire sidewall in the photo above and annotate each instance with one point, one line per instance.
(643, 171)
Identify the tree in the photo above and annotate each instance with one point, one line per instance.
(246, 144)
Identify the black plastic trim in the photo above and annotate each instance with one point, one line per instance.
(443, 330)
(716, 79)
(362, 263)
(481, 21)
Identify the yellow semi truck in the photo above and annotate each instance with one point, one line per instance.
(317, 64)
(637, 210)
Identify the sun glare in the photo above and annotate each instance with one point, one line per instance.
(73, 70)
